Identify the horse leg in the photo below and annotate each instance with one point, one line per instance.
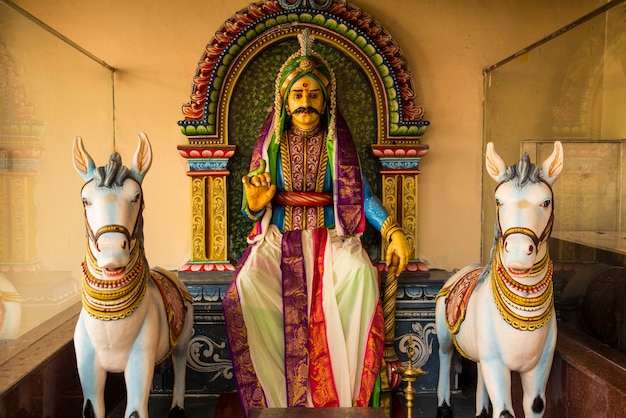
(92, 378)
(482, 397)
(138, 376)
(139, 371)
(533, 386)
(534, 382)
(497, 380)
(179, 362)
(92, 382)
(446, 349)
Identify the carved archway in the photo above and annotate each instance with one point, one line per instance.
(237, 44)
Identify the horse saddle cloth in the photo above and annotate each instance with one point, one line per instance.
(457, 296)
(174, 299)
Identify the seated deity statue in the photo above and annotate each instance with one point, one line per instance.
(303, 313)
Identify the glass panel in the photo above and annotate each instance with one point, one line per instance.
(50, 91)
(570, 87)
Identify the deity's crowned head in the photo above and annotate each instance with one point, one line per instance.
(305, 89)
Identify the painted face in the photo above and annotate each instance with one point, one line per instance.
(305, 103)
(104, 207)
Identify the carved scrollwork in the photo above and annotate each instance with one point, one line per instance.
(218, 211)
(389, 194)
(422, 338)
(409, 211)
(204, 358)
(197, 215)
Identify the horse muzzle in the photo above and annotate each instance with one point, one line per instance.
(519, 251)
(111, 247)
(120, 229)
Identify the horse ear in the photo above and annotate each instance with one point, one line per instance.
(496, 167)
(142, 158)
(553, 165)
(83, 163)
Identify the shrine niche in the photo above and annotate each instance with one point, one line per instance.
(232, 91)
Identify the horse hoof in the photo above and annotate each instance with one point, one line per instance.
(176, 412)
(444, 411)
(505, 414)
(483, 414)
(88, 411)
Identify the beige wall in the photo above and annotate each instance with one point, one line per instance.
(155, 46)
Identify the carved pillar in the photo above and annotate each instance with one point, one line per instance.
(19, 156)
(17, 216)
(209, 212)
(399, 168)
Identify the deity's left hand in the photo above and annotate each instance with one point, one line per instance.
(400, 247)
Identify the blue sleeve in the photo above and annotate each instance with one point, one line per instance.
(375, 213)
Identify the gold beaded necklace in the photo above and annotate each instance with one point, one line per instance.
(108, 300)
(539, 300)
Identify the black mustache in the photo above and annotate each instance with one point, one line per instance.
(306, 109)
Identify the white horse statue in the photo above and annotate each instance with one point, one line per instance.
(10, 310)
(132, 317)
(502, 316)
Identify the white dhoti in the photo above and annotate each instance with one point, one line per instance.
(308, 320)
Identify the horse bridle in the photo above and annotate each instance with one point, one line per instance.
(132, 238)
(527, 231)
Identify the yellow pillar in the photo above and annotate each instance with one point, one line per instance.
(18, 166)
(399, 168)
(209, 215)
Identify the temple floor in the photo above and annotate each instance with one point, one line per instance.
(207, 406)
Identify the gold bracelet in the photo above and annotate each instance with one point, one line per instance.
(251, 215)
(389, 227)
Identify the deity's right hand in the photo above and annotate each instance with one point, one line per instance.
(259, 189)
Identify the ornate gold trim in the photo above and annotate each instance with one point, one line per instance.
(198, 225)
(219, 218)
(110, 301)
(409, 212)
(388, 227)
(461, 352)
(532, 304)
(10, 297)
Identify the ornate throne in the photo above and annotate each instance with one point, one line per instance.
(232, 91)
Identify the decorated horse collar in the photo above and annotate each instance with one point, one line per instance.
(524, 307)
(110, 300)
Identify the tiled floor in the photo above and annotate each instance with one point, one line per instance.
(424, 405)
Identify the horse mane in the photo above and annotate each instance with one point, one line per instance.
(113, 174)
(523, 172)
(487, 269)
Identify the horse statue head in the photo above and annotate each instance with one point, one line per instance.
(524, 209)
(113, 204)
